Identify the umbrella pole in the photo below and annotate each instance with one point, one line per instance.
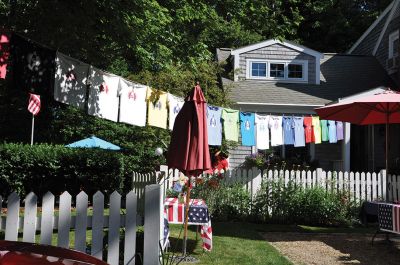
(186, 219)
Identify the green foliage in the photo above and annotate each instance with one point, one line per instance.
(277, 202)
(42, 168)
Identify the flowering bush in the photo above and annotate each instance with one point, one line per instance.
(257, 160)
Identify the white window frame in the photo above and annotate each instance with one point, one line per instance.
(392, 37)
(304, 63)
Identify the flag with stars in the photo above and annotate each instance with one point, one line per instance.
(389, 217)
(166, 231)
(198, 215)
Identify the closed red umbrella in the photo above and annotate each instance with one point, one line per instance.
(188, 150)
(381, 108)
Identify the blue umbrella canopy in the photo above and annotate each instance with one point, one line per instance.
(94, 142)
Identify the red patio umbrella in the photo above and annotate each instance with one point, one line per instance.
(381, 108)
(188, 150)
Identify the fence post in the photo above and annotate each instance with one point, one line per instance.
(151, 250)
(319, 176)
(384, 183)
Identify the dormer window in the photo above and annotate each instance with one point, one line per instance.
(290, 71)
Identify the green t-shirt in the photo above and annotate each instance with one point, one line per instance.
(230, 119)
(325, 132)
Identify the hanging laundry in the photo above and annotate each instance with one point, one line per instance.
(103, 99)
(324, 130)
(308, 129)
(262, 131)
(230, 120)
(332, 131)
(33, 66)
(132, 108)
(316, 136)
(214, 125)
(339, 130)
(299, 136)
(288, 130)
(275, 124)
(158, 112)
(247, 128)
(4, 53)
(175, 104)
(70, 81)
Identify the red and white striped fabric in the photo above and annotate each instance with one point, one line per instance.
(34, 104)
(176, 215)
(396, 218)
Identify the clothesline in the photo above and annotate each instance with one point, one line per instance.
(109, 96)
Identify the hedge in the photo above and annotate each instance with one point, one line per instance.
(55, 168)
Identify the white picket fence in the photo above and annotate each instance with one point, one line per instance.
(359, 186)
(118, 218)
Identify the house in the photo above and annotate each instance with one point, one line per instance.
(285, 78)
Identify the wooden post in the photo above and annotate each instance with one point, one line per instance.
(186, 219)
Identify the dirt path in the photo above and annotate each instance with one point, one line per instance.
(336, 249)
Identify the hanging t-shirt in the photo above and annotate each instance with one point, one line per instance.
(103, 94)
(158, 112)
(288, 130)
(132, 108)
(33, 65)
(316, 130)
(308, 129)
(214, 125)
(324, 130)
(4, 54)
(70, 81)
(339, 130)
(247, 128)
(175, 104)
(230, 120)
(299, 137)
(275, 124)
(332, 131)
(262, 131)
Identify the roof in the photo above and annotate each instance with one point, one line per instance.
(341, 76)
(266, 43)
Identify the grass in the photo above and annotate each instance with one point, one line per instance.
(242, 243)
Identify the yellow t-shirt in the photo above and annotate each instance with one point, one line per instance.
(157, 112)
(317, 129)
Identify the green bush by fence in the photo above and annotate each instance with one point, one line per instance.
(42, 168)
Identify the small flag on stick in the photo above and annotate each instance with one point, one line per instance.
(34, 104)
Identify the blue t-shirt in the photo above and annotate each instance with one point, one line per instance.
(214, 125)
(288, 130)
(247, 120)
(332, 132)
(299, 136)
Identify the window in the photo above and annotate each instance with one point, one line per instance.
(293, 71)
(259, 69)
(394, 44)
(277, 70)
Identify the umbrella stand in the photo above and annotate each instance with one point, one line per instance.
(185, 229)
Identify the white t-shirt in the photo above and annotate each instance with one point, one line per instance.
(70, 81)
(175, 105)
(132, 109)
(103, 96)
(262, 131)
(275, 124)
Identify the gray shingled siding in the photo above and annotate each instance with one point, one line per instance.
(326, 153)
(237, 155)
(368, 44)
(383, 49)
(277, 52)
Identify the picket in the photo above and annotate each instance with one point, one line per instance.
(29, 223)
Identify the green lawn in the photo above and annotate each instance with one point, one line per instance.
(241, 243)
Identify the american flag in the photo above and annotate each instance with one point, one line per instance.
(389, 217)
(34, 104)
(166, 231)
(198, 215)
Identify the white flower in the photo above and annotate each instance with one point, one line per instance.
(216, 171)
(222, 171)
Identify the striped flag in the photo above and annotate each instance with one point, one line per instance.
(198, 215)
(389, 217)
(34, 104)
